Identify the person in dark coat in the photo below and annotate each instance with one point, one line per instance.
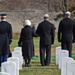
(45, 30)
(26, 41)
(5, 38)
(66, 33)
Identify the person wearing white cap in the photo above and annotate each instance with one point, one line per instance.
(67, 12)
(66, 34)
(26, 41)
(46, 15)
(5, 38)
(45, 31)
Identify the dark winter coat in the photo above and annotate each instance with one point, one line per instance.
(66, 30)
(46, 32)
(5, 37)
(26, 41)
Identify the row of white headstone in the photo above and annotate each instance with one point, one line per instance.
(13, 64)
(64, 62)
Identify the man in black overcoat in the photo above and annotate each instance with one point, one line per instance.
(66, 33)
(5, 38)
(46, 32)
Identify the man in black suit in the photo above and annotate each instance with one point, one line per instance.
(46, 32)
(66, 33)
(5, 38)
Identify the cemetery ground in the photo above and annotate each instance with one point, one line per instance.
(36, 68)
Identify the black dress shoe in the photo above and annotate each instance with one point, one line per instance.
(28, 65)
(46, 64)
(43, 64)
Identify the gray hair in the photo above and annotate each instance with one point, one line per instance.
(27, 22)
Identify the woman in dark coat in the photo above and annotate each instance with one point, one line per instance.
(26, 41)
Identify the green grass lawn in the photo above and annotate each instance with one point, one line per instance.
(36, 68)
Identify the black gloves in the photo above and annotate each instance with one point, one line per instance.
(73, 41)
(52, 43)
(10, 41)
(19, 44)
(59, 40)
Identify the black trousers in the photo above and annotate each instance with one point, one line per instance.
(67, 46)
(27, 61)
(45, 50)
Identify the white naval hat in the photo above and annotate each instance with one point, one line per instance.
(67, 13)
(46, 15)
(27, 22)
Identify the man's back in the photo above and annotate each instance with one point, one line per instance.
(45, 31)
(67, 25)
(66, 28)
(4, 27)
(5, 37)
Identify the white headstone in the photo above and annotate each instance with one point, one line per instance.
(57, 54)
(4, 73)
(19, 55)
(9, 67)
(71, 67)
(15, 60)
(64, 65)
(63, 53)
(18, 49)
